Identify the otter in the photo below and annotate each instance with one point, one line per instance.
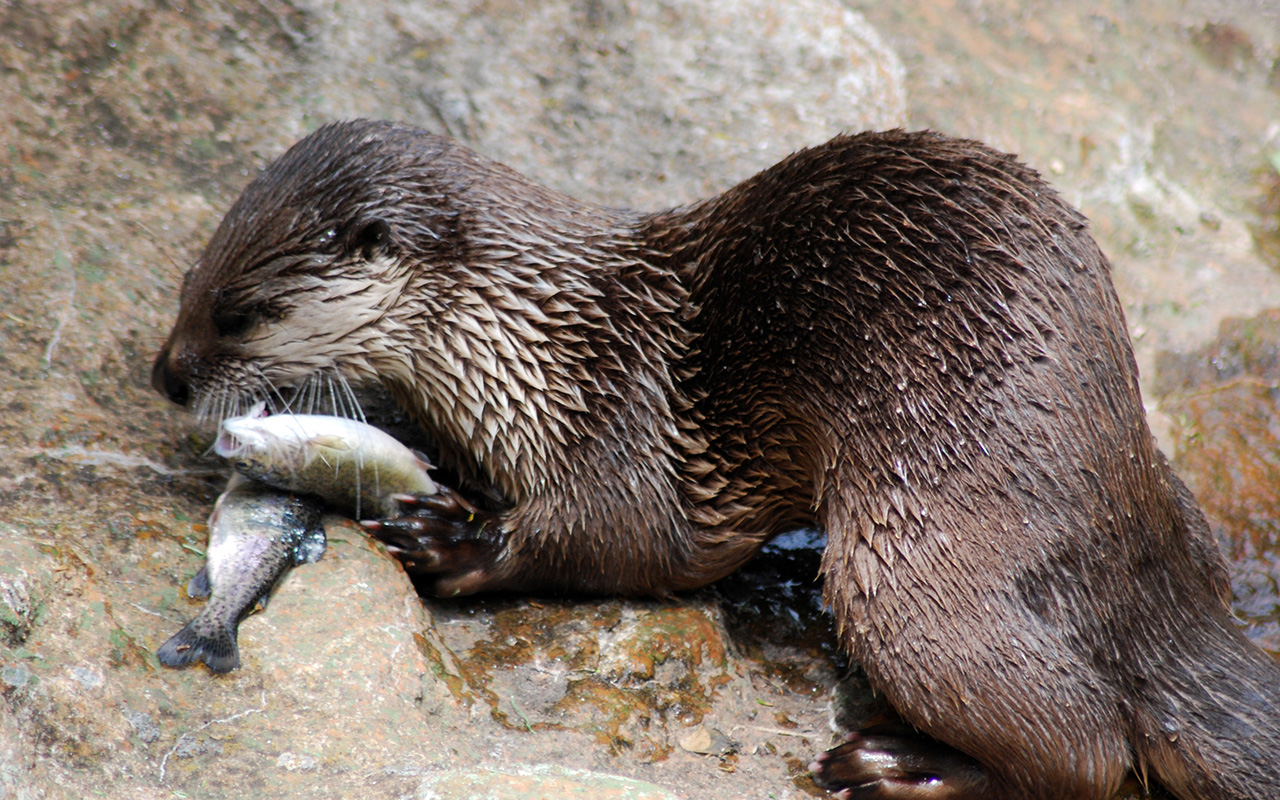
(906, 339)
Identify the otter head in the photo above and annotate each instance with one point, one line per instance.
(299, 280)
(374, 252)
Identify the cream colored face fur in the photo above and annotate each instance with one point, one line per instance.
(334, 323)
(513, 331)
(312, 332)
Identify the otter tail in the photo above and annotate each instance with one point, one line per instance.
(1208, 718)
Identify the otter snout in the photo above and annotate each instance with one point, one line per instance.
(170, 379)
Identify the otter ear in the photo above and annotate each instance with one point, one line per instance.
(370, 237)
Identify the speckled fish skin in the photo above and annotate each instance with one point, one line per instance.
(256, 534)
(355, 467)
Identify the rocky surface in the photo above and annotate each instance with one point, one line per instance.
(129, 127)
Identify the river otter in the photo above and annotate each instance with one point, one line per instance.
(905, 338)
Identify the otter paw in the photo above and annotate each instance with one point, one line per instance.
(898, 765)
(443, 536)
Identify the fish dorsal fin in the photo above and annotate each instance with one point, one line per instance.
(423, 461)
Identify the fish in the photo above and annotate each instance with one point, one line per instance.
(354, 466)
(257, 533)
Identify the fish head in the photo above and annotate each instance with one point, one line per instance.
(251, 445)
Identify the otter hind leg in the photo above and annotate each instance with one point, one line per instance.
(897, 763)
(963, 660)
(1010, 740)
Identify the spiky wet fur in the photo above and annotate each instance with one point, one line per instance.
(907, 339)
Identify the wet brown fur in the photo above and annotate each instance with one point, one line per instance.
(906, 339)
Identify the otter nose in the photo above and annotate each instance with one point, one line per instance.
(167, 382)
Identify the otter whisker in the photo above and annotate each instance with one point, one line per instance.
(298, 400)
(313, 394)
(357, 412)
(296, 397)
(333, 396)
(274, 399)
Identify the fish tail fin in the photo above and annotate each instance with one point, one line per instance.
(216, 647)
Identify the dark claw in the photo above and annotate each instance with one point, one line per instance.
(443, 536)
(898, 763)
(445, 503)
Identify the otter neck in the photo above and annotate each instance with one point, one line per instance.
(548, 330)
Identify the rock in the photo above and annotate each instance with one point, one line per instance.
(708, 742)
(522, 782)
(637, 104)
(1224, 400)
(131, 126)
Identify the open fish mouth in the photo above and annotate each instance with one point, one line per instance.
(235, 440)
(228, 445)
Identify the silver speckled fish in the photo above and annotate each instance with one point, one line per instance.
(355, 467)
(256, 534)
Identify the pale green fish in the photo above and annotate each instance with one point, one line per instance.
(355, 467)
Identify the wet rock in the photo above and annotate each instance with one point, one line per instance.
(519, 783)
(1150, 135)
(23, 592)
(1226, 399)
(1265, 226)
(708, 742)
(1243, 347)
(1224, 46)
(143, 725)
(637, 104)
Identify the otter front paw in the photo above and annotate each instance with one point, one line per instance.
(899, 764)
(442, 536)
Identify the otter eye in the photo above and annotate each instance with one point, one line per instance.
(370, 237)
(233, 323)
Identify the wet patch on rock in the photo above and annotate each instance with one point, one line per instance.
(522, 782)
(634, 676)
(1225, 403)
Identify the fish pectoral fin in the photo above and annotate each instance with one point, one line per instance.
(331, 441)
(198, 586)
(260, 604)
